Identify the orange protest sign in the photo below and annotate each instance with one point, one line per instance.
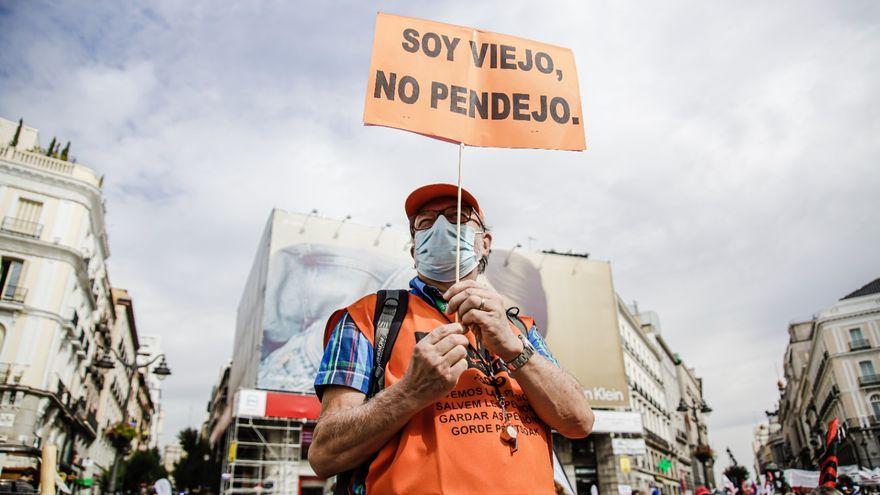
(473, 87)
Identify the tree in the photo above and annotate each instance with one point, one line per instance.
(144, 466)
(737, 474)
(14, 141)
(197, 468)
(65, 151)
(51, 147)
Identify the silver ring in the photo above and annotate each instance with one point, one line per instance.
(482, 301)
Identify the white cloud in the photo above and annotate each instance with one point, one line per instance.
(731, 176)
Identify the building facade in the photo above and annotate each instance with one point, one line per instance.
(57, 311)
(648, 395)
(150, 349)
(693, 408)
(681, 449)
(669, 397)
(55, 305)
(831, 368)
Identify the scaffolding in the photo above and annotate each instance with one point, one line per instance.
(262, 456)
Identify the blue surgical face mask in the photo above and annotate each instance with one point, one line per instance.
(435, 250)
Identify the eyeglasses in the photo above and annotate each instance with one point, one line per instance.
(425, 219)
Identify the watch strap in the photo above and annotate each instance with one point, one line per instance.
(526, 354)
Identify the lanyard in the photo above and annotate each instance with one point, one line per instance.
(508, 431)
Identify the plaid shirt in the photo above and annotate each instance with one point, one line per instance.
(348, 356)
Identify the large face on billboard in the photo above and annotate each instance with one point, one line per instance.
(305, 284)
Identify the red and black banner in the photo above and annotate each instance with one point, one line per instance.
(828, 462)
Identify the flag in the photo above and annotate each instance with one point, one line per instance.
(828, 461)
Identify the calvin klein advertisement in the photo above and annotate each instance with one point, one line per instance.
(307, 267)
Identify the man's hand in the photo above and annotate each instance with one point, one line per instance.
(555, 395)
(481, 309)
(437, 362)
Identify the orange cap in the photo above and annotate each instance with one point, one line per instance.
(424, 194)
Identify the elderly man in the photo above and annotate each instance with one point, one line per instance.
(470, 393)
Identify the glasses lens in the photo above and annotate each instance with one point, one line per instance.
(450, 214)
(425, 220)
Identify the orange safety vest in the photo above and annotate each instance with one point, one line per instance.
(454, 446)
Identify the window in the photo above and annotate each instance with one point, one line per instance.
(26, 220)
(875, 405)
(857, 341)
(10, 273)
(866, 368)
(29, 210)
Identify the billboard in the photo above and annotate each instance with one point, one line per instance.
(307, 266)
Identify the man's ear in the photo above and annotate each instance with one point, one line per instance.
(487, 243)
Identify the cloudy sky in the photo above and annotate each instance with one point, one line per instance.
(732, 177)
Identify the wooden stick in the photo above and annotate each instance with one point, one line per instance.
(458, 221)
(458, 225)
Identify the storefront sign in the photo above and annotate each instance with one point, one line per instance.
(264, 404)
(617, 422)
(628, 446)
(250, 403)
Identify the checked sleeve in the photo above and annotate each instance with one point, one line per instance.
(347, 360)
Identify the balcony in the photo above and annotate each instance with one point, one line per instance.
(872, 380)
(14, 293)
(656, 439)
(63, 394)
(859, 344)
(18, 226)
(91, 418)
(11, 373)
(866, 422)
(681, 436)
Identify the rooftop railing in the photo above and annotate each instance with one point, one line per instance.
(37, 160)
(50, 164)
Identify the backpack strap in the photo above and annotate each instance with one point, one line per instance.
(391, 308)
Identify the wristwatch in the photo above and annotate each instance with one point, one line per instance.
(520, 361)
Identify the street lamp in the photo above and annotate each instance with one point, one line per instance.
(684, 407)
(162, 371)
(106, 362)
